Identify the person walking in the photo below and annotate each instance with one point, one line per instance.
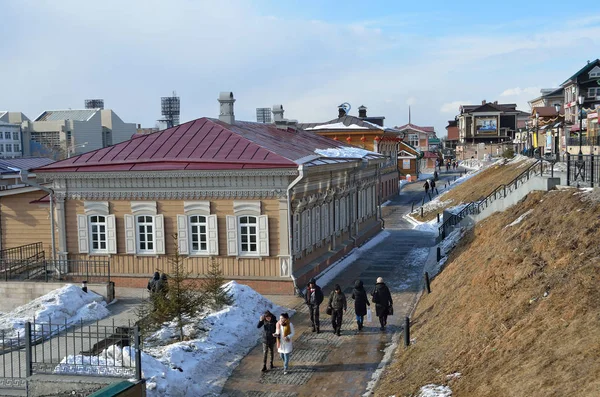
(337, 302)
(313, 298)
(382, 298)
(269, 325)
(152, 282)
(284, 334)
(426, 186)
(360, 303)
(432, 186)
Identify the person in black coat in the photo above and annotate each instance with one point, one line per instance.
(382, 298)
(337, 302)
(313, 298)
(360, 303)
(269, 324)
(153, 281)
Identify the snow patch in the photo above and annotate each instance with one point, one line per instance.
(519, 219)
(345, 152)
(432, 390)
(336, 126)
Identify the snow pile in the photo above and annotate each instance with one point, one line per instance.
(199, 366)
(344, 152)
(472, 164)
(435, 391)
(414, 260)
(519, 219)
(336, 126)
(67, 305)
(332, 271)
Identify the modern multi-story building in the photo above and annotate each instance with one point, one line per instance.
(68, 132)
(10, 140)
(263, 115)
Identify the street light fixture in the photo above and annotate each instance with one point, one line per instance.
(580, 100)
(537, 123)
(557, 107)
(71, 149)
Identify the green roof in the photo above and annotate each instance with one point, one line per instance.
(589, 65)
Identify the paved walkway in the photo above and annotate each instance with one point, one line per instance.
(325, 364)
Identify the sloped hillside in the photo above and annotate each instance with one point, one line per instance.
(479, 185)
(516, 311)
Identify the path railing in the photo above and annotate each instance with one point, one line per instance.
(500, 192)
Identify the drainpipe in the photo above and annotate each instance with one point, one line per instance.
(291, 220)
(23, 176)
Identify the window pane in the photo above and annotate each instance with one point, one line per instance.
(103, 245)
(252, 229)
(149, 229)
(243, 219)
(195, 246)
(150, 237)
(253, 247)
(94, 229)
(202, 229)
(244, 238)
(253, 238)
(203, 246)
(150, 246)
(142, 237)
(193, 219)
(95, 245)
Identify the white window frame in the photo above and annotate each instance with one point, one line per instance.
(412, 138)
(15, 136)
(198, 222)
(185, 228)
(148, 221)
(595, 91)
(7, 135)
(132, 231)
(248, 222)
(16, 147)
(85, 229)
(242, 209)
(94, 220)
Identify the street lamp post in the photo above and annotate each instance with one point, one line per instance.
(557, 107)
(580, 100)
(71, 149)
(537, 123)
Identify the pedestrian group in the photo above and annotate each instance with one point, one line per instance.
(280, 333)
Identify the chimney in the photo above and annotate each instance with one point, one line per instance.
(139, 126)
(277, 113)
(226, 101)
(362, 111)
(341, 112)
(483, 102)
(495, 102)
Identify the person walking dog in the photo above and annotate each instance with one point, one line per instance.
(269, 325)
(313, 298)
(337, 302)
(382, 298)
(360, 303)
(284, 334)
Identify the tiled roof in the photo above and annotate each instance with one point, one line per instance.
(546, 111)
(7, 165)
(203, 144)
(57, 115)
(415, 127)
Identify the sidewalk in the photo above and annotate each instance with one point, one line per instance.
(325, 364)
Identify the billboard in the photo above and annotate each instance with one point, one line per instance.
(487, 125)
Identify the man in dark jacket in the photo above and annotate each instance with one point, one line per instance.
(153, 281)
(337, 302)
(269, 324)
(162, 286)
(360, 303)
(382, 298)
(313, 298)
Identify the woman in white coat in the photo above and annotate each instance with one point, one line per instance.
(284, 334)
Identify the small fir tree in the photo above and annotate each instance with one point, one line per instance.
(212, 286)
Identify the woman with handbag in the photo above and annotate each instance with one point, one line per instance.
(382, 298)
(360, 303)
(284, 334)
(337, 303)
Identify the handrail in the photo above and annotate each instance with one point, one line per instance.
(474, 207)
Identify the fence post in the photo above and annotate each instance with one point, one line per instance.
(28, 358)
(438, 253)
(421, 212)
(591, 170)
(568, 169)
(438, 217)
(138, 353)
(412, 209)
(427, 284)
(406, 331)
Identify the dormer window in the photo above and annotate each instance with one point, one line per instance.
(595, 72)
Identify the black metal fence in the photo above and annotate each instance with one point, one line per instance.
(21, 262)
(12, 375)
(475, 207)
(583, 170)
(92, 270)
(585, 141)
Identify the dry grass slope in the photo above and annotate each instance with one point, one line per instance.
(516, 310)
(479, 186)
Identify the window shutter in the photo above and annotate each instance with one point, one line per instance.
(331, 225)
(182, 235)
(82, 234)
(308, 227)
(296, 236)
(213, 235)
(336, 225)
(111, 234)
(130, 246)
(232, 246)
(159, 234)
(263, 235)
(317, 217)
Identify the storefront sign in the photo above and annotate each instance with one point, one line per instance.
(487, 125)
(406, 164)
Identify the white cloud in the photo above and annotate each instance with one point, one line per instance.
(452, 107)
(518, 91)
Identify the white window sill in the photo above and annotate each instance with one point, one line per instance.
(249, 257)
(101, 254)
(148, 255)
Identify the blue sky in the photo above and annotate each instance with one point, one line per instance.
(309, 56)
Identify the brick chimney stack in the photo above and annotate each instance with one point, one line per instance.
(362, 111)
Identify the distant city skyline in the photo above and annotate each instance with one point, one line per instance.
(309, 56)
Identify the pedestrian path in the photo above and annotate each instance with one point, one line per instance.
(326, 364)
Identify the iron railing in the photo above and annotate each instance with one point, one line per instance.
(585, 141)
(21, 252)
(23, 262)
(500, 192)
(92, 270)
(12, 374)
(583, 170)
(84, 349)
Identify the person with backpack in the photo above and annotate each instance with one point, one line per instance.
(269, 325)
(313, 298)
(382, 298)
(360, 303)
(337, 304)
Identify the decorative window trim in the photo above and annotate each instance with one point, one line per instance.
(196, 207)
(251, 208)
(184, 235)
(132, 235)
(143, 208)
(95, 207)
(84, 234)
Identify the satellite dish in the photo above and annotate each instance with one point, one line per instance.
(346, 106)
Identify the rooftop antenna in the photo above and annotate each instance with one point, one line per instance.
(408, 114)
(170, 107)
(94, 103)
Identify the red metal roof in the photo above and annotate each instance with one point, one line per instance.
(202, 144)
(415, 127)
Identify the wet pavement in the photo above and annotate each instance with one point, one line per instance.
(326, 364)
